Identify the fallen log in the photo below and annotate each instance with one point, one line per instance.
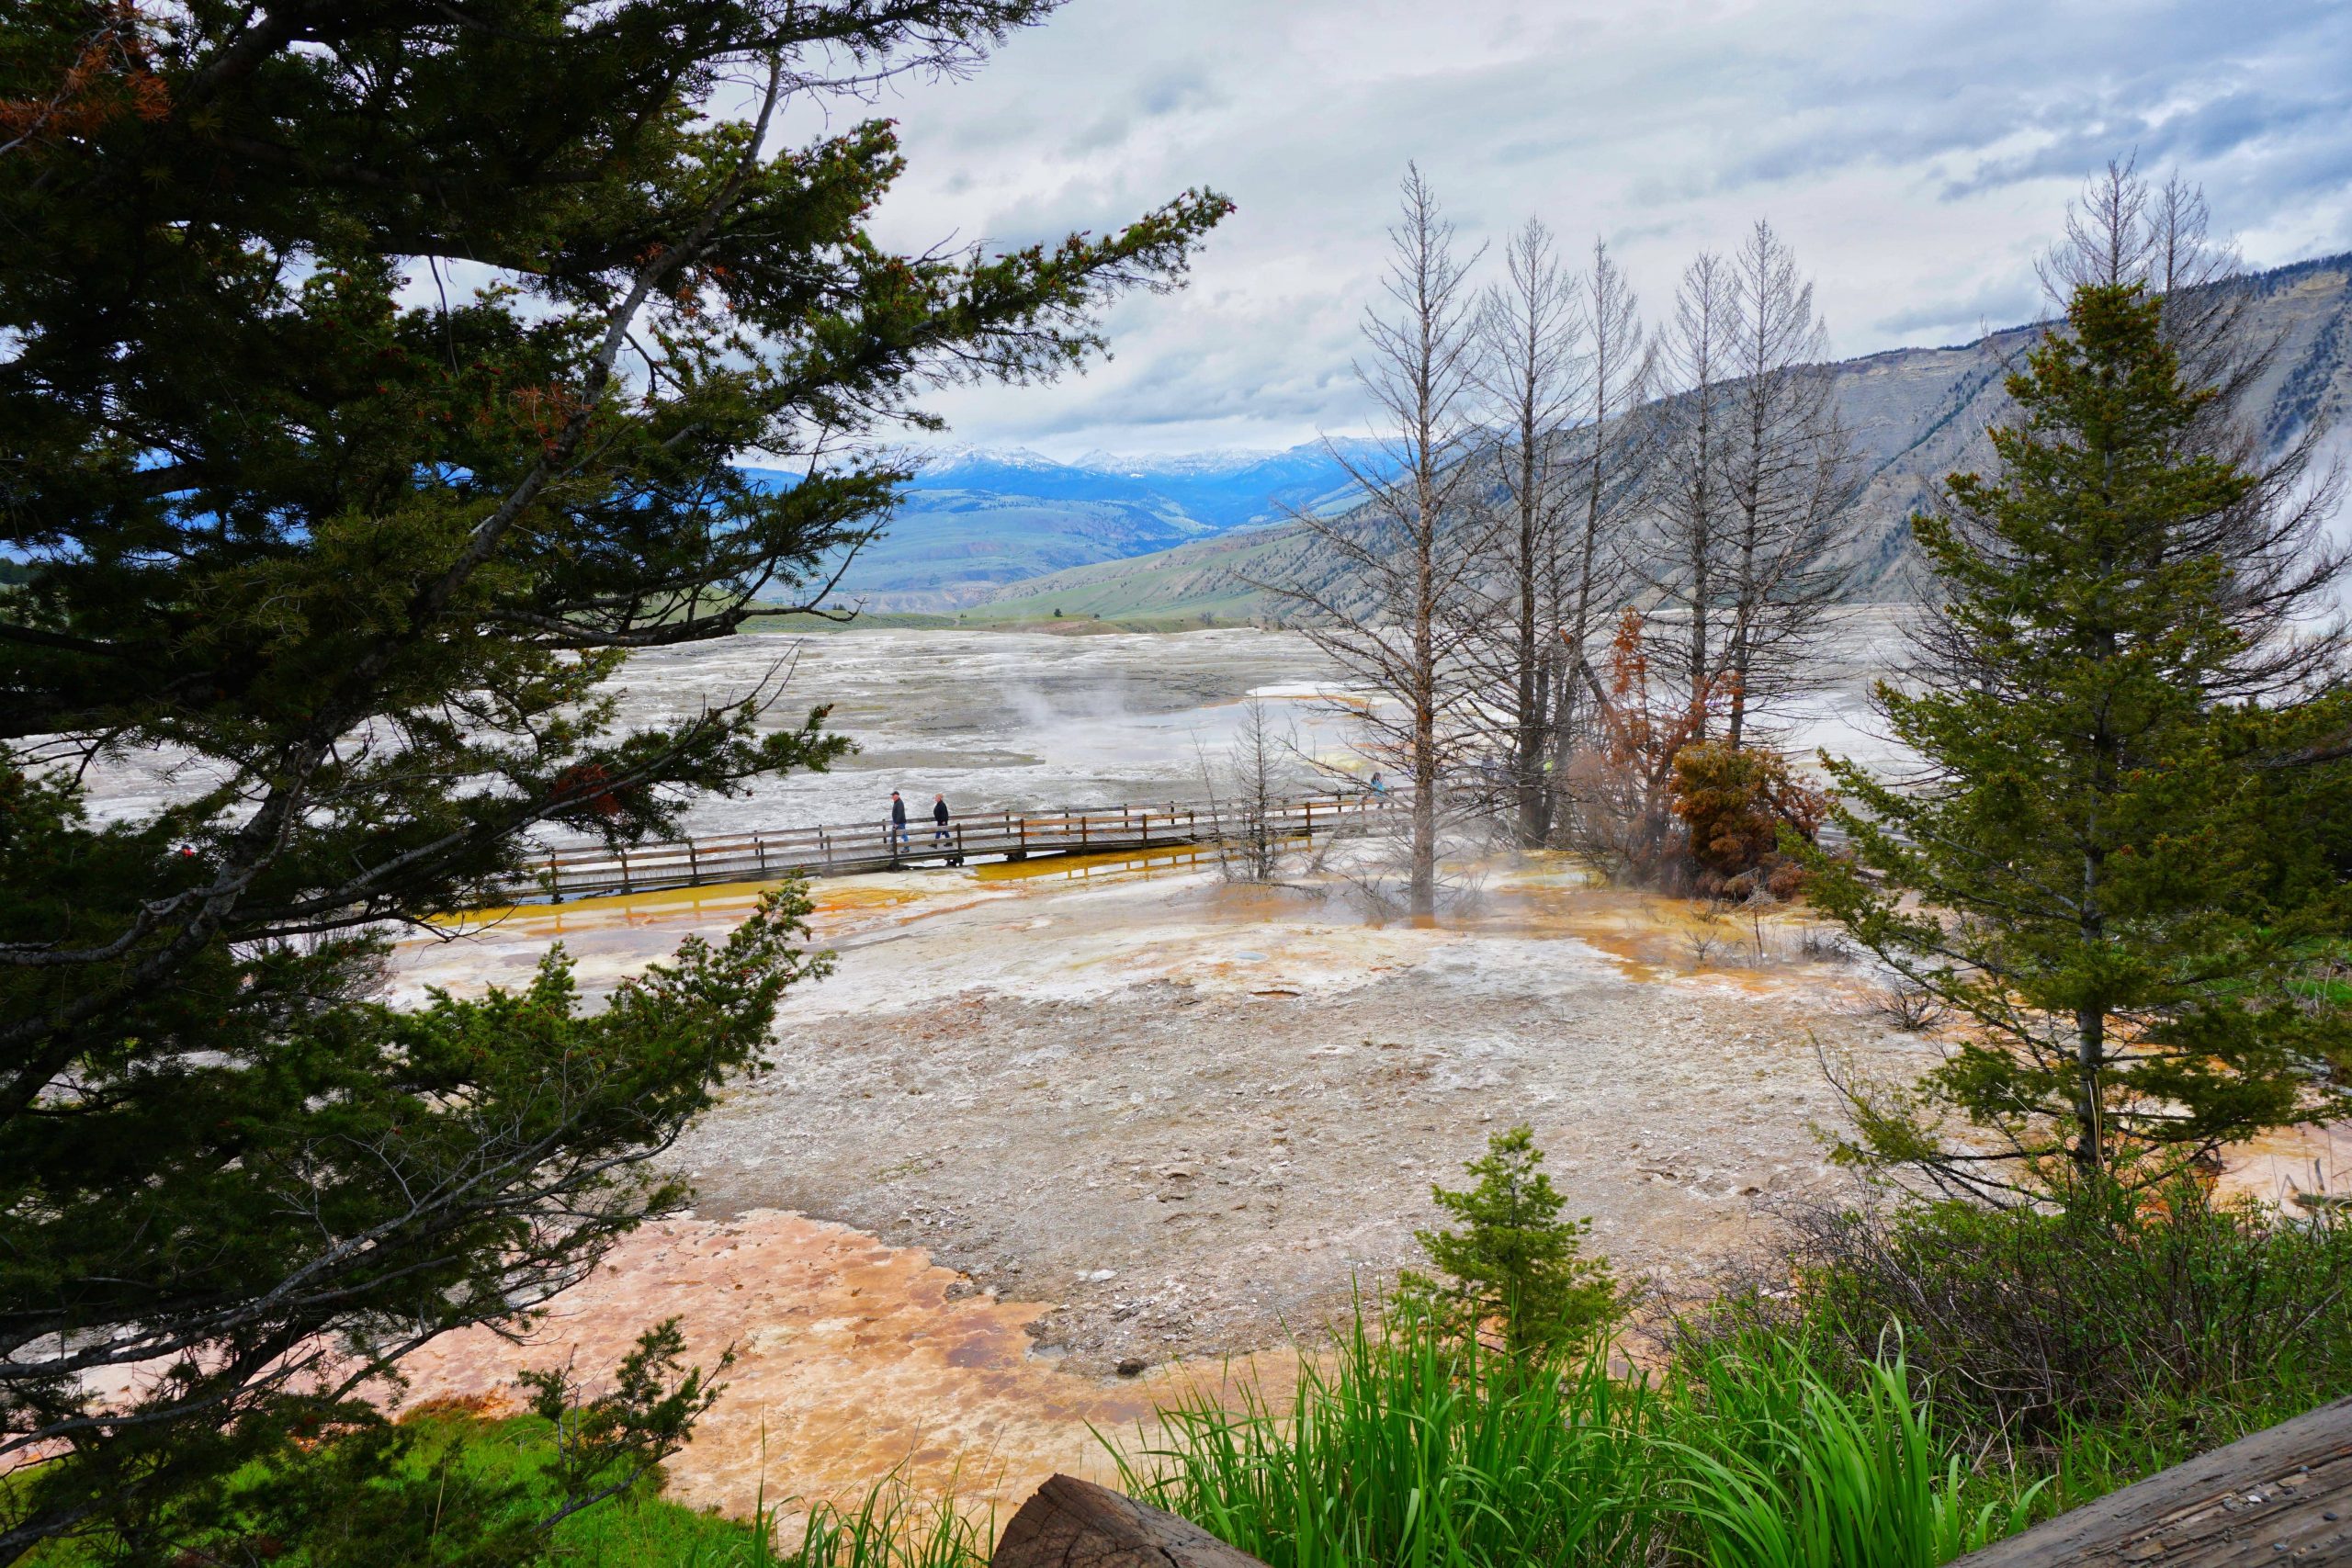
(1076, 1524)
(2283, 1495)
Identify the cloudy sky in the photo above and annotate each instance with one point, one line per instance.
(1918, 156)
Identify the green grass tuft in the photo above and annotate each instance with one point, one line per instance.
(1774, 1467)
(1406, 1452)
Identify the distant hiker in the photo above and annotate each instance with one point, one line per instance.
(939, 818)
(897, 834)
(1377, 785)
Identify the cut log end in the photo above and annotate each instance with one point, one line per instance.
(1076, 1524)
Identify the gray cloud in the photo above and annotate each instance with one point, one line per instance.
(1949, 321)
(1918, 156)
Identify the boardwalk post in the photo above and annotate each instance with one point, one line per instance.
(1310, 817)
(760, 848)
(624, 883)
(1081, 830)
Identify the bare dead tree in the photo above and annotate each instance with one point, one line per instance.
(1789, 474)
(1533, 366)
(1612, 454)
(1684, 564)
(1246, 794)
(2276, 544)
(2120, 231)
(1407, 553)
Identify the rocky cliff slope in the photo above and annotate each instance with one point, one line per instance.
(1916, 414)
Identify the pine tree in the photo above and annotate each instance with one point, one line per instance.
(1515, 1265)
(373, 378)
(2113, 867)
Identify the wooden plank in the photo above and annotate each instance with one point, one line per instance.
(1071, 1523)
(684, 862)
(2281, 1496)
(745, 844)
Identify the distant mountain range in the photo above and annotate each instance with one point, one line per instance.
(1016, 536)
(978, 524)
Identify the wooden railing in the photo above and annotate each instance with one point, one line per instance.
(1005, 835)
(2282, 1496)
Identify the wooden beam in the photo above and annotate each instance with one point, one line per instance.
(1071, 1523)
(2282, 1496)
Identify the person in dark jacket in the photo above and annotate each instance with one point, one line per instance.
(939, 819)
(898, 835)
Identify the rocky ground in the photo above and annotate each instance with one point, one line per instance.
(854, 1363)
(1055, 1139)
(1179, 1116)
(1223, 1136)
(1052, 1132)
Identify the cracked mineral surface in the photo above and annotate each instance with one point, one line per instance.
(1057, 1136)
(1056, 1139)
(1133, 1116)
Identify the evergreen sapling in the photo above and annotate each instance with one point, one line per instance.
(1514, 1267)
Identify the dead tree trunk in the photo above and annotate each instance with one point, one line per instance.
(1531, 358)
(1689, 565)
(1611, 474)
(1389, 615)
(1787, 476)
(2281, 1496)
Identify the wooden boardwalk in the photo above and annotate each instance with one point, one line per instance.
(867, 847)
(2281, 1496)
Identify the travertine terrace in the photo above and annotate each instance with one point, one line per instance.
(1138, 1118)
